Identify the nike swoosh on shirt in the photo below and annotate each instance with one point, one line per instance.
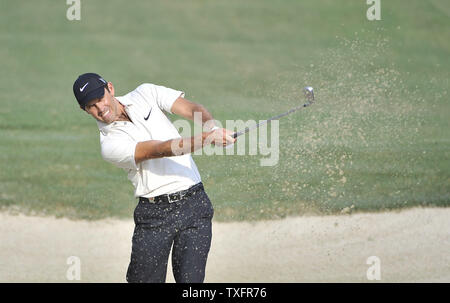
(146, 118)
(82, 88)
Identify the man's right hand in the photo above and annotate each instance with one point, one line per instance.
(220, 137)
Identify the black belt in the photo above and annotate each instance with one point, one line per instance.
(169, 198)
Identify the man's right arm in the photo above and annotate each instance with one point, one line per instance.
(153, 149)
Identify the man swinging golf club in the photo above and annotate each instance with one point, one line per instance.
(173, 209)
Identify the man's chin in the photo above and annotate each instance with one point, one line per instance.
(109, 121)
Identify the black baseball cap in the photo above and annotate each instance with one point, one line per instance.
(87, 87)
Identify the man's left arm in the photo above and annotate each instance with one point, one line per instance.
(186, 109)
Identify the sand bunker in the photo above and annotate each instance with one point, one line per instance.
(412, 246)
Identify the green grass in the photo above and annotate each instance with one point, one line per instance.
(377, 138)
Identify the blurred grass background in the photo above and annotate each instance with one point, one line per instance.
(378, 137)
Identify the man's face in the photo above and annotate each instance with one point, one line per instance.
(106, 109)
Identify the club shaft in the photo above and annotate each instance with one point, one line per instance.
(247, 129)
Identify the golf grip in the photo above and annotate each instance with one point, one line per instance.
(247, 129)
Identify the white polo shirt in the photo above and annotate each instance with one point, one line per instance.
(118, 142)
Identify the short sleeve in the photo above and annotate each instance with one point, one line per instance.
(163, 96)
(120, 152)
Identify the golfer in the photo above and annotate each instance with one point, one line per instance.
(173, 208)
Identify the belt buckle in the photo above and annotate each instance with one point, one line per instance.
(177, 197)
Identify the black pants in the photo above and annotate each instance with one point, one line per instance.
(185, 224)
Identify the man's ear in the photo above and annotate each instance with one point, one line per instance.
(111, 88)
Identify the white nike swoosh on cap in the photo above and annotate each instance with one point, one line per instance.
(82, 89)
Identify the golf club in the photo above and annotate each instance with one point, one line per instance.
(309, 94)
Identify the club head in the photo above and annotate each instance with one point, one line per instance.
(309, 94)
